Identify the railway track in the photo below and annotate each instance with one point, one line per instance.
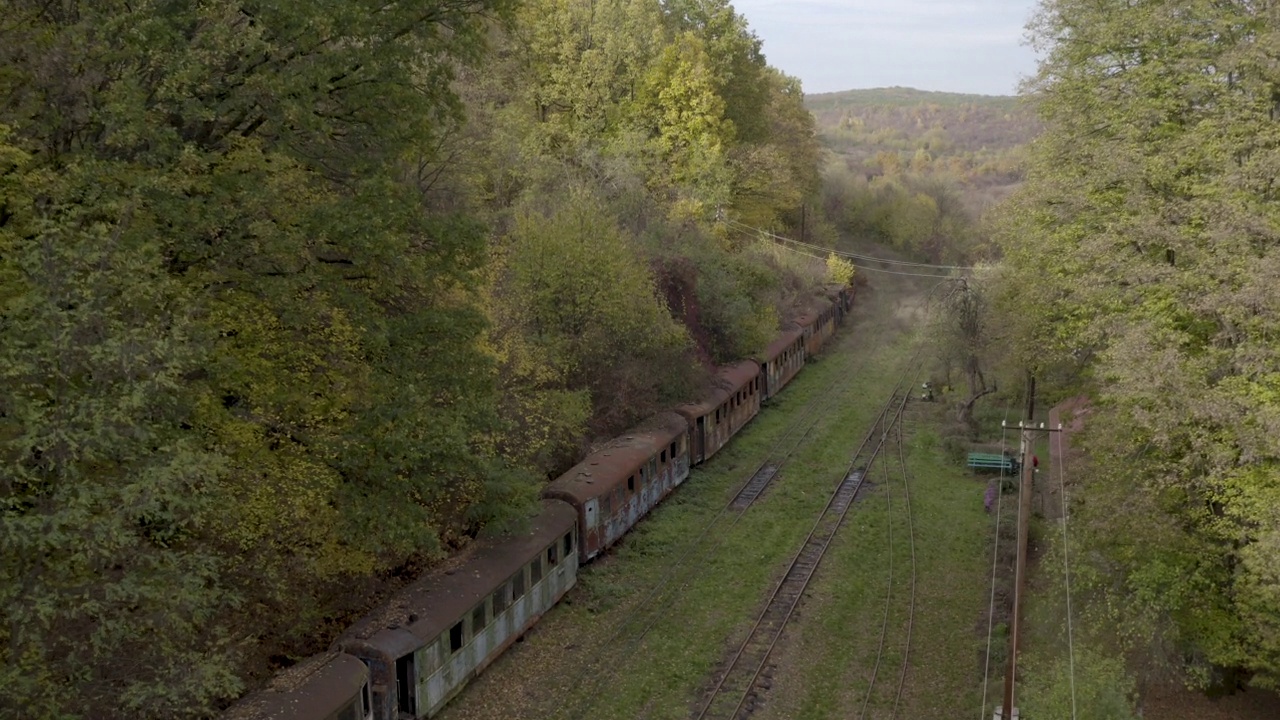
(888, 600)
(911, 602)
(739, 686)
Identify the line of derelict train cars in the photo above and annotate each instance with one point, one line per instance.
(409, 657)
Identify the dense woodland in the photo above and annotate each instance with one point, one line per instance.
(296, 297)
(1142, 267)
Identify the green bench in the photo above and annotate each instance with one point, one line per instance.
(992, 461)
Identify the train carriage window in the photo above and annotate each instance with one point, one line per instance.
(500, 600)
(664, 457)
(673, 450)
(535, 571)
(631, 484)
(478, 620)
(455, 637)
(517, 585)
(551, 556)
(568, 543)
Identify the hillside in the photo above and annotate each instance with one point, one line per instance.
(860, 122)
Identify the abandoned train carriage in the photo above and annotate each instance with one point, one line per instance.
(616, 486)
(843, 297)
(446, 628)
(782, 360)
(735, 400)
(330, 686)
(825, 325)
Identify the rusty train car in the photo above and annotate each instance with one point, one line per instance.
(406, 659)
(733, 402)
(444, 629)
(615, 486)
(330, 686)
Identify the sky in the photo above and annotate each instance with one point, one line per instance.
(970, 46)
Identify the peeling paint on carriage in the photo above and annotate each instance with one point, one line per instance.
(620, 483)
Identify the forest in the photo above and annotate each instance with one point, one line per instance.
(298, 298)
(1140, 265)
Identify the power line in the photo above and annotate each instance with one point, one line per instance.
(823, 259)
(995, 557)
(845, 253)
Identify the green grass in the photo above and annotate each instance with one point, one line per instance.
(837, 637)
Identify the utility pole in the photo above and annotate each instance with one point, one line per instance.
(1009, 711)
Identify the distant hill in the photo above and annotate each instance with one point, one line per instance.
(900, 96)
(861, 123)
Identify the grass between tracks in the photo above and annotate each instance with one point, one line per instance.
(832, 648)
(572, 665)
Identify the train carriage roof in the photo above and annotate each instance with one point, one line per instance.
(610, 466)
(314, 688)
(833, 290)
(785, 340)
(728, 380)
(814, 310)
(433, 603)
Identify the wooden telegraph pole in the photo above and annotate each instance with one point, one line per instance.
(1009, 711)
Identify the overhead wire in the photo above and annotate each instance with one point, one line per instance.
(844, 253)
(995, 561)
(860, 267)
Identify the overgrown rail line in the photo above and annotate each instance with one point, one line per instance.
(650, 609)
(888, 601)
(911, 604)
(738, 687)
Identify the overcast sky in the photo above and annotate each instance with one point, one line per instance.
(973, 46)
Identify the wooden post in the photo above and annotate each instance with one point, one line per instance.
(1020, 571)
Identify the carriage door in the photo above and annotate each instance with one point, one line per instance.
(699, 440)
(406, 680)
(590, 536)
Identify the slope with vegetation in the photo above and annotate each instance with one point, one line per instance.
(295, 297)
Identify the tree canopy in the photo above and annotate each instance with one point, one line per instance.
(297, 296)
(220, 275)
(1142, 258)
